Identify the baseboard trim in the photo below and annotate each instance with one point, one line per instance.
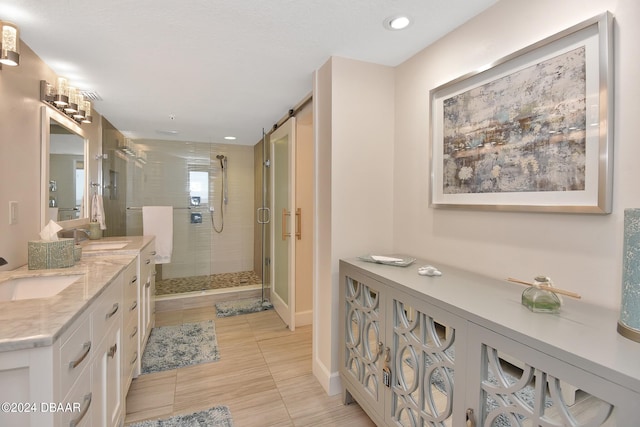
(304, 318)
(330, 382)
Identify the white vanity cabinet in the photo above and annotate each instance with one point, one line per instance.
(76, 380)
(431, 351)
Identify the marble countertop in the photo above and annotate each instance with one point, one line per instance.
(39, 322)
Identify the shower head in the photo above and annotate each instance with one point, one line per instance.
(222, 159)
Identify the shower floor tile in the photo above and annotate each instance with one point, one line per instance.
(180, 285)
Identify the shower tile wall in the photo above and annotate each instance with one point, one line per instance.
(164, 180)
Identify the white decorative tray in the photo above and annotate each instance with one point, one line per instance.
(398, 261)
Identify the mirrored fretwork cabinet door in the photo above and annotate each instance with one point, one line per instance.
(399, 356)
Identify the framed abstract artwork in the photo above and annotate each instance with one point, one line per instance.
(532, 131)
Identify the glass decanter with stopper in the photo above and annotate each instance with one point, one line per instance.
(540, 300)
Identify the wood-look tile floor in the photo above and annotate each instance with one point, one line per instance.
(263, 375)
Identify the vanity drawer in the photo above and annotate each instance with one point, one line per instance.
(131, 303)
(147, 262)
(108, 310)
(75, 354)
(79, 401)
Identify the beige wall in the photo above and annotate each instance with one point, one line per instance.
(580, 252)
(20, 153)
(354, 186)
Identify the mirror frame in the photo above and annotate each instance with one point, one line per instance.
(48, 114)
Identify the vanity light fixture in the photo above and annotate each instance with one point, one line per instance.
(396, 23)
(9, 44)
(67, 100)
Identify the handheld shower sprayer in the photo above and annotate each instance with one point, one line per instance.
(224, 198)
(223, 160)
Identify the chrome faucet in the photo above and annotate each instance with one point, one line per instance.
(76, 238)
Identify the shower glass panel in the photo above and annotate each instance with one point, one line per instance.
(187, 176)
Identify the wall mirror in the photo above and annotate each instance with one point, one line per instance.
(64, 170)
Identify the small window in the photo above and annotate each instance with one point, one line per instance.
(199, 186)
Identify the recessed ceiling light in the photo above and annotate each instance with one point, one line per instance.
(230, 138)
(397, 23)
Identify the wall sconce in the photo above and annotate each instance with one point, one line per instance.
(9, 44)
(86, 108)
(62, 92)
(67, 100)
(141, 157)
(72, 105)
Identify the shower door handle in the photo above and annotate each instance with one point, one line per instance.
(285, 214)
(299, 223)
(264, 215)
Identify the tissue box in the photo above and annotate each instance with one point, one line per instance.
(44, 255)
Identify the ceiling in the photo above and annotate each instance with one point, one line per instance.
(200, 70)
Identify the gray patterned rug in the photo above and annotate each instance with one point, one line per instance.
(241, 306)
(214, 417)
(172, 347)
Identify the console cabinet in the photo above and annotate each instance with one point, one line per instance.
(460, 350)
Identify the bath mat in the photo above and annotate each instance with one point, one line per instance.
(213, 417)
(241, 306)
(171, 347)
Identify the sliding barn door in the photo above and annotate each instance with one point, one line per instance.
(284, 221)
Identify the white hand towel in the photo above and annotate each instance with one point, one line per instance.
(97, 210)
(158, 221)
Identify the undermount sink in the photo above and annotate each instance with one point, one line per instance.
(35, 287)
(104, 246)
